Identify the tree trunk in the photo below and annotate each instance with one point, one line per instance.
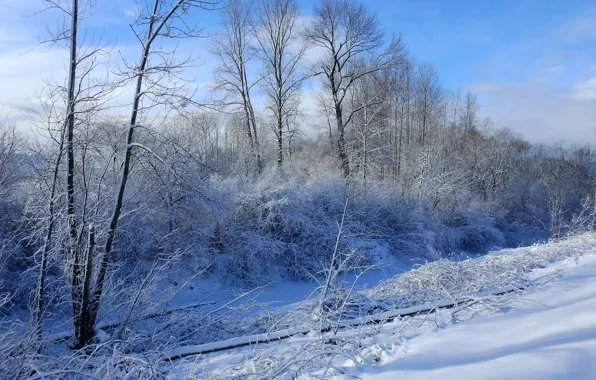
(40, 293)
(250, 118)
(86, 321)
(341, 143)
(73, 251)
(111, 234)
(257, 146)
(280, 143)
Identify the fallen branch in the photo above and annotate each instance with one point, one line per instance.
(387, 316)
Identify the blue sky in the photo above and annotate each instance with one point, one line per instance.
(531, 62)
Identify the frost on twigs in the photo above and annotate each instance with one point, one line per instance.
(469, 288)
(442, 279)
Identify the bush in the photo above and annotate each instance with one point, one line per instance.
(284, 223)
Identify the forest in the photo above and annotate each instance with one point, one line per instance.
(319, 142)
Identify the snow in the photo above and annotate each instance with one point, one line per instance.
(547, 331)
(209, 293)
(284, 293)
(449, 320)
(547, 334)
(286, 333)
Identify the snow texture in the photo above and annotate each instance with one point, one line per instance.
(547, 334)
(546, 331)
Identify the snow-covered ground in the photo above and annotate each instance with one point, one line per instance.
(285, 293)
(526, 313)
(547, 331)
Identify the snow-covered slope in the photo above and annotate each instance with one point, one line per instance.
(549, 333)
(465, 320)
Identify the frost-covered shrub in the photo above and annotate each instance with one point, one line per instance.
(277, 223)
(16, 257)
(284, 222)
(479, 238)
(400, 222)
(247, 258)
(473, 231)
(445, 279)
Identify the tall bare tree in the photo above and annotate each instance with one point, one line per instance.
(428, 95)
(469, 118)
(402, 115)
(370, 98)
(156, 82)
(84, 94)
(234, 52)
(353, 46)
(281, 53)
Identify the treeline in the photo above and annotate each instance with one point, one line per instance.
(248, 189)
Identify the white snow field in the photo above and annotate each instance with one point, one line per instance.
(546, 331)
(549, 333)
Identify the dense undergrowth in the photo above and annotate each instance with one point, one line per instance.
(292, 227)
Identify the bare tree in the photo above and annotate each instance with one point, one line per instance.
(369, 97)
(84, 95)
(428, 95)
(553, 174)
(292, 124)
(73, 249)
(353, 48)
(402, 114)
(156, 82)
(10, 163)
(234, 53)
(469, 118)
(281, 53)
(45, 251)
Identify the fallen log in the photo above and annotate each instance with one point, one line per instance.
(388, 316)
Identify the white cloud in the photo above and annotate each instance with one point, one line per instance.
(585, 90)
(22, 77)
(541, 112)
(578, 30)
(131, 12)
(554, 70)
